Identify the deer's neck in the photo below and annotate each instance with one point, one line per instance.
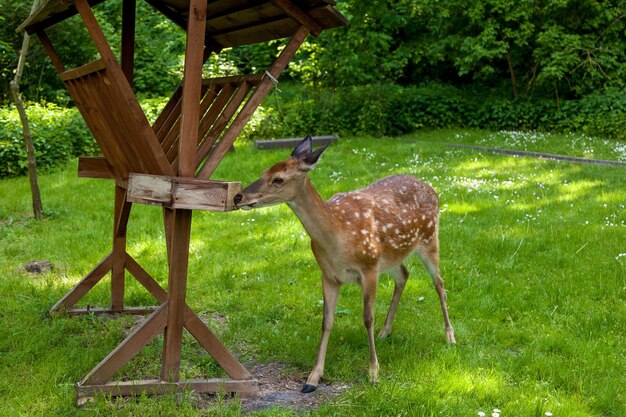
(313, 214)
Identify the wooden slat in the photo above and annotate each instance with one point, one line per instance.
(94, 167)
(223, 95)
(182, 192)
(88, 109)
(168, 115)
(240, 18)
(235, 79)
(219, 125)
(97, 311)
(158, 387)
(297, 14)
(218, 153)
(271, 30)
(126, 350)
(89, 68)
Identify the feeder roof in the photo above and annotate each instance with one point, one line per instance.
(229, 22)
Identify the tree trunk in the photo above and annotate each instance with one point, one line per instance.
(28, 139)
(509, 60)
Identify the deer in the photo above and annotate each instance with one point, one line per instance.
(356, 236)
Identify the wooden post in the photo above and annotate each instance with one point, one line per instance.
(118, 269)
(177, 291)
(128, 39)
(253, 102)
(181, 224)
(192, 85)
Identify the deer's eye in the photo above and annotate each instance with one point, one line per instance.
(277, 181)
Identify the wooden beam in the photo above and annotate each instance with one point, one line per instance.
(192, 83)
(297, 14)
(177, 291)
(94, 167)
(97, 311)
(158, 387)
(126, 350)
(253, 102)
(84, 285)
(52, 53)
(95, 32)
(182, 193)
(118, 269)
(129, 12)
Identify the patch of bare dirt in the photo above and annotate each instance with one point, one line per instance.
(277, 387)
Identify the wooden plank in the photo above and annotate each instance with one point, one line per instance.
(219, 125)
(89, 68)
(297, 14)
(163, 120)
(177, 292)
(126, 350)
(97, 311)
(291, 142)
(212, 114)
(235, 79)
(251, 105)
(94, 167)
(192, 84)
(276, 29)
(158, 387)
(182, 193)
(84, 285)
(243, 17)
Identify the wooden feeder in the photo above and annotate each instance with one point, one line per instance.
(170, 163)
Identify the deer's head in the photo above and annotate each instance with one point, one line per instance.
(283, 181)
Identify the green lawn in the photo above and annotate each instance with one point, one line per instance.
(533, 253)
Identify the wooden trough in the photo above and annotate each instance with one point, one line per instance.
(170, 162)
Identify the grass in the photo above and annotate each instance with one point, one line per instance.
(533, 255)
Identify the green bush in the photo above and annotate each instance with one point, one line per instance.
(58, 134)
(390, 110)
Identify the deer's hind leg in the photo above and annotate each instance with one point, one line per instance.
(429, 254)
(400, 276)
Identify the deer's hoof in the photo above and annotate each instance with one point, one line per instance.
(308, 388)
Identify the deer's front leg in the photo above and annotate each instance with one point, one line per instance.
(331, 293)
(368, 284)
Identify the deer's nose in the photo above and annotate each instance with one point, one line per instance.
(238, 199)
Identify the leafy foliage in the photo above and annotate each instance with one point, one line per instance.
(58, 134)
(387, 109)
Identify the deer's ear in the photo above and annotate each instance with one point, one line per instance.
(303, 148)
(311, 158)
